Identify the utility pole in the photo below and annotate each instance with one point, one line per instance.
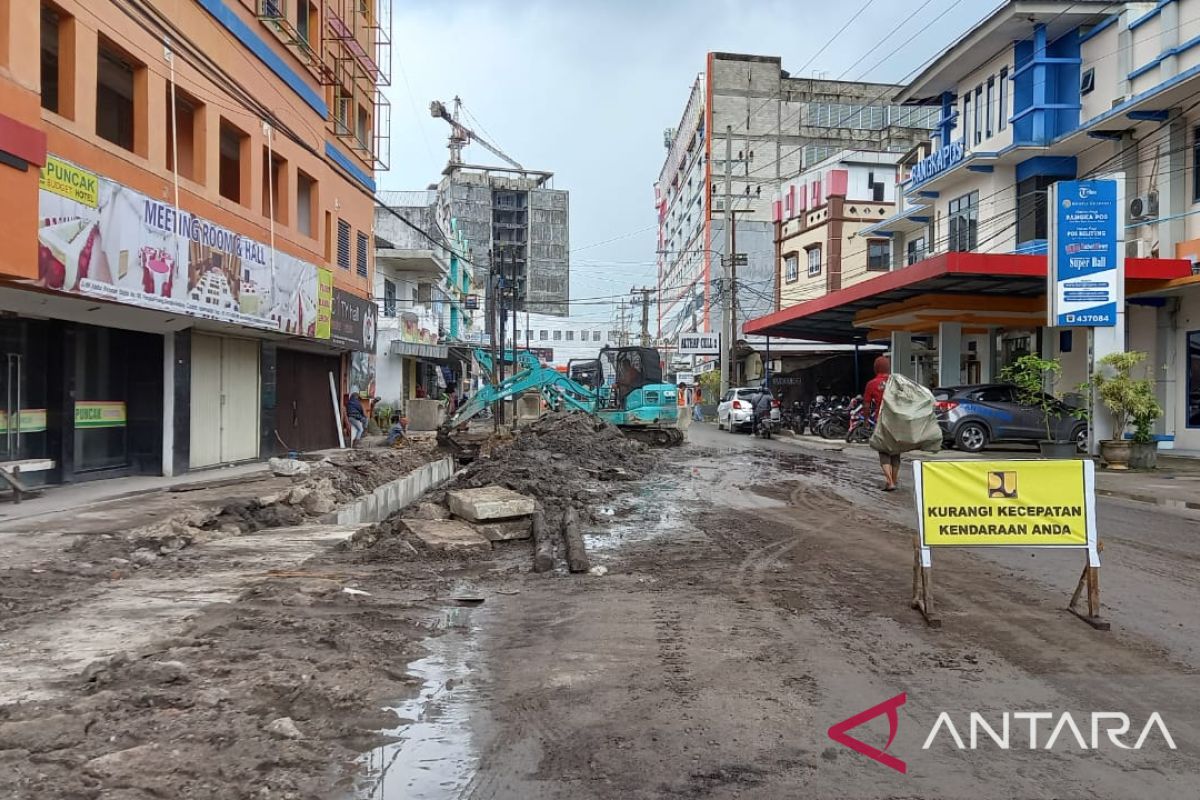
(515, 338)
(622, 336)
(645, 293)
(493, 316)
(727, 267)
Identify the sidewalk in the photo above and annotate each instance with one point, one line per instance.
(56, 499)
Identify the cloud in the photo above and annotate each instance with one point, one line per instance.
(586, 88)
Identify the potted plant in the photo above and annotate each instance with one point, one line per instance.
(1144, 453)
(1034, 378)
(1127, 399)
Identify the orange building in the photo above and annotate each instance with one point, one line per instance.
(186, 196)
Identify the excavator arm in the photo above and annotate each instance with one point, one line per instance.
(558, 390)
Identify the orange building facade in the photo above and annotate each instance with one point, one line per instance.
(186, 189)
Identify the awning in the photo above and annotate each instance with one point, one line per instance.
(912, 218)
(993, 288)
(430, 351)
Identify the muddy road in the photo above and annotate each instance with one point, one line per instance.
(758, 594)
(748, 596)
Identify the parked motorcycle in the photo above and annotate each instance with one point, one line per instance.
(862, 422)
(834, 421)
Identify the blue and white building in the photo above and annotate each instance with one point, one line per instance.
(1036, 93)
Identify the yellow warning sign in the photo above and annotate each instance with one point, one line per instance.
(1004, 503)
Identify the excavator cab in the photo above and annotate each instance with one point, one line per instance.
(634, 396)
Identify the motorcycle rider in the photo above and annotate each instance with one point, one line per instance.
(761, 404)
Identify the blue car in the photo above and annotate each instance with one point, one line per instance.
(972, 417)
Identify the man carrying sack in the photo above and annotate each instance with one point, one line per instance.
(905, 419)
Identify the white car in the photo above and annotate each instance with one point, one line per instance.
(736, 409)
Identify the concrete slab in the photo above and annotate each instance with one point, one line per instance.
(489, 503)
(446, 534)
(506, 530)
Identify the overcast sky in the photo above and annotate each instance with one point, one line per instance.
(584, 88)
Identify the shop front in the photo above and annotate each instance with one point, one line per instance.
(960, 318)
(175, 367)
(80, 401)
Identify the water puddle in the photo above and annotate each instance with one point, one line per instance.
(433, 757)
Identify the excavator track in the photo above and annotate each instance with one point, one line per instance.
(655, 437)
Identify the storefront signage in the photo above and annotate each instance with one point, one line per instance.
(67, 180)
(99, 414)
(940, 160)
(354, 321)
(324, 303)
(699, 344)
(30, 420)
(100, 239)
(686, 378)
(1087, 262)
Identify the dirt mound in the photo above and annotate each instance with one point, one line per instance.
(563, 459)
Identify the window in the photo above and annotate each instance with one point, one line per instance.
(389, 298)
(994, 394)
(1196, 165)
(1087, 81)
(595, 336)
(814, 260)
(360, 255)
(964, 223)
(1002, 122)
(915, 250)
(570, 336)
(1032, 210)
(543, 336)
(274, 187)
(966, 118)
(328, 237)
(424, 293)
(234, 176)
(613, 337)
(583, 336)
(991, 99)
(791, 267)
(558, 336)
(978, 123)
(343, 244)
(187, 111)
(51, 27)
(306, 202)
(879, 255)
(362, 128)
(1193, 371)
(114, 95)
(306, 19)
(877, 189)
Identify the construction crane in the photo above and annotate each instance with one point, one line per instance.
(461, 135)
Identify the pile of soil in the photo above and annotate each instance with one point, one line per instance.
(563, 460)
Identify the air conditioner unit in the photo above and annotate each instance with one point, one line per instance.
(1144, 206)
(1137, 248)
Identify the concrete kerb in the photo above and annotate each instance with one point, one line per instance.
(389, 498)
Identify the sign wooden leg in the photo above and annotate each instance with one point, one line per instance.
(916, 598)
(923, 588)
(1091, 579)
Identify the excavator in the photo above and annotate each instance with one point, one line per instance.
(623, 386)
